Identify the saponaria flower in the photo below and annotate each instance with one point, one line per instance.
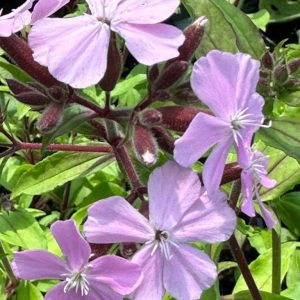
(253, 175)
(107, 277)
(75, 49)
(226, 83)
(180, 212)
(20, 17)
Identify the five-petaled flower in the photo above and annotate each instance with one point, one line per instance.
(107, 277)
(253, 174)
(75, 49)
(180, 212)
(226, 83)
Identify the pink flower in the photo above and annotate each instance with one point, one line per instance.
(226, 83)
(254, 173)
(180, 213)
(21, 16)
(75, 49)
(107, 277)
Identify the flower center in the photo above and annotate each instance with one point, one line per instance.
(257, 166)
(77, 280)
(241, 119)
(161, 240)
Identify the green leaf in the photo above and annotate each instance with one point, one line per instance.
(281, 11)
(53, 171)
(20, 228)
(245, 295)
(28, 291)
(283, 168)
(261, 268)
(229, 29)
(283, 135)
(9, 71)
(288, 210)
(260, 19)
(293, 275)
(293, 292)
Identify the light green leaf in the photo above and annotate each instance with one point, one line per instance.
(53, 171)
(28, 291)
(261, 268)
(260, 19)
(245, 295)
(20, 228)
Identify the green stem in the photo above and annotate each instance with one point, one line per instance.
(7, 266)
(276, 262)
(65, 203)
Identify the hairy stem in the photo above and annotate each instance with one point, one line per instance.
(276, 262)
(7, 266)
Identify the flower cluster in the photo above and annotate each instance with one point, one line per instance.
(182, 211)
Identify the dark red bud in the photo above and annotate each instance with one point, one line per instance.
(18, 87)
(171, 74)
(50, 118)
(178, 118)
(114, 66)
(128, 249)
(153, 73)
(267, 61)
(293, 65)
(162, 95)
(150, 117)
(280, 74)
(144, 145)
(21, 53)
(184, 96)
(164, 139)
(33, 98)
(58, 94)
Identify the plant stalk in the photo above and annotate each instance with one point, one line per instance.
(7, 266)
(276, 262)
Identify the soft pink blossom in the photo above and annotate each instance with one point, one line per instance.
(75, 49)
(180, 212)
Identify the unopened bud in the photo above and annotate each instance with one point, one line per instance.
(128, 249)
(33, 99)
(162, 95)
(263, 86)
(150, 117)
(114, 66)
(293, 65)
(50, 118)
(153, 73)
(178, 118)
(171, 74)
(280, 74)
(58, 94)
(267, 61)
(145, 145)
(193, 36)
(292, 84)
(18, 87)
(184, 95)
(164, 139)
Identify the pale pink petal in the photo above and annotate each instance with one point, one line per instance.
(188, 273)
(45, 8)
(209, 220)
(73, 49)
(144, 12)
(203, 132)
(6, 27)
(75, 248)
(102, 292)
(214, 166)
(114, 220)
(118, 273)
(21, 20)
(224, 81)
(172, 190)
(150, 43)
(267, 182)
(151, 287)
(38, 264)
(97, 7)
(247, 191)
(265, 213)
(57, 293)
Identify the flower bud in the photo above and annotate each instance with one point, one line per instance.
(18, 87)
(178, 118)
(184, 94)
(293, 65)
(153, 73)
(50, 118)
(114, 66)
(267, 61)
(171, 74)
(33, 99)
(164, 139)
(150, 117)
(280, 74)
(144, 145)
(58, 94)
